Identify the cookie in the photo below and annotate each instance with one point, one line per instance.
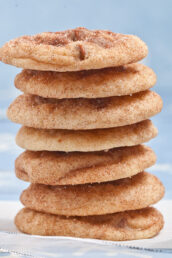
(59, 168)
(117, 81)
(85, 140)
(73, 50)
(132, 193)
(128, 225)
(81, 114)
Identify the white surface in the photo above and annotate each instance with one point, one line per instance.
(11, 239)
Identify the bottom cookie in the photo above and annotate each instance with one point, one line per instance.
(128, 225)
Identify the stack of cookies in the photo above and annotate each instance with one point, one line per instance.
(85, 112)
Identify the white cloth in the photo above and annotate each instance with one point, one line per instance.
(13, 241)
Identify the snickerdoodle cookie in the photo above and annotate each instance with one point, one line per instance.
(132, 193)
(128, 225)
(73, 50)
(59, 168)
(117, 81)
(76, 114)
(85, 140)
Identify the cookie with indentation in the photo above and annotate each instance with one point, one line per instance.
(73, 50)
(85, 140)
(128, 225)
(82, 114)
(133, 193)
(100, 83)
(59, 168)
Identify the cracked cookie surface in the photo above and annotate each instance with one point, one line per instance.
(73, 50)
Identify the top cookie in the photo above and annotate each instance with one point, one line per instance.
(73, 50)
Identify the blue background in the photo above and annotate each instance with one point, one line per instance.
(151, 20)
